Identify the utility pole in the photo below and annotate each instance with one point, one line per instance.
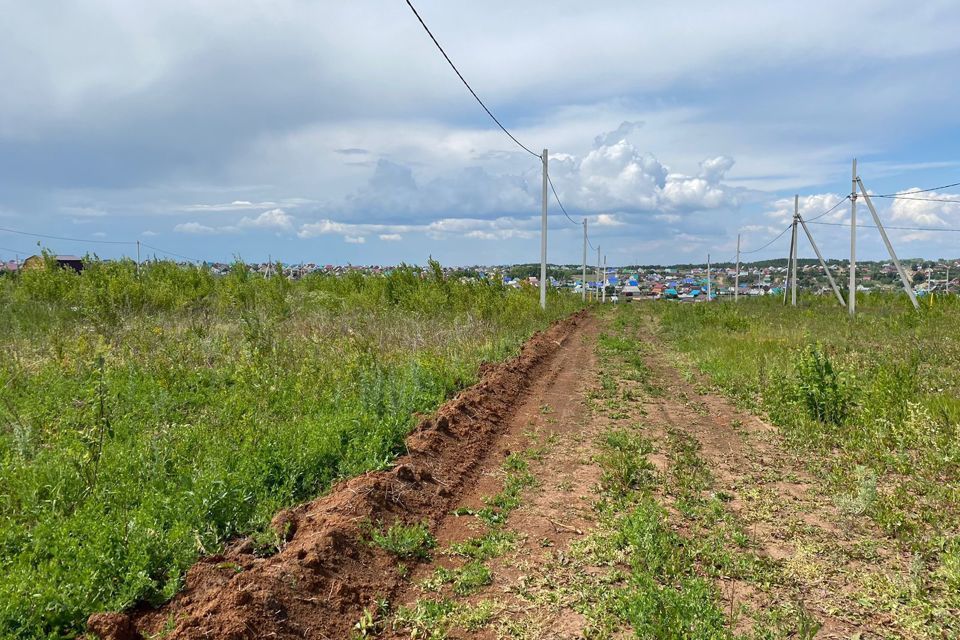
(826, 269)
(138, 258)
(708, 277)
(907, 286)
(597, 292)
(793, 273)
(736, 276)
(543, 238)
(604, 283)
(786, 279)
(852, 295)
(583, 283)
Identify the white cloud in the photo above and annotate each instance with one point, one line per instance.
(149, 234)
(608, 220)
(275, 219)
(355, 239)
(926, 212)
(391, 237)
(194, 228)
(811, 206)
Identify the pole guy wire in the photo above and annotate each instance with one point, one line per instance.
(467, 84)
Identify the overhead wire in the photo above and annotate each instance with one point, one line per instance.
(170, 253)
(946, 186)
(830, 210)
(65, 239)
(779, 235)
(467, 84)
(873, 226)
(908, 197)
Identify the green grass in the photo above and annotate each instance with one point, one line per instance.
(873, 404)
(406, 542)
(146, 420)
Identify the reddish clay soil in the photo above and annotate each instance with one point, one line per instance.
(325, 574)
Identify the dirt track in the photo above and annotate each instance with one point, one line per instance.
(318, 584)
(546, 401)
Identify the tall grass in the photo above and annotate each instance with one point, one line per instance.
(145, 419)
(876, 399)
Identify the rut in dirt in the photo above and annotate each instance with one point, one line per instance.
(325, 574)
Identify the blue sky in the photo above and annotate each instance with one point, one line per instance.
(335, 132)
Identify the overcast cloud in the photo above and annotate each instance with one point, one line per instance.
(335, 132)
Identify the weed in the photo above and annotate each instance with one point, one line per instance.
(405, 541)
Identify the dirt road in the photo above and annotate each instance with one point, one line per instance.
(516, 481)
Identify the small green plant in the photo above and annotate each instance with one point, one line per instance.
(405, 541)
(821, 387)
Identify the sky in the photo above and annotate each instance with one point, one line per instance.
(336, 133)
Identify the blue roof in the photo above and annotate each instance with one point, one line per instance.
(695, 292)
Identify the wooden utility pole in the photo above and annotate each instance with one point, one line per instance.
(543, 238)
(852, 295)
(736, 276)
(907, 285)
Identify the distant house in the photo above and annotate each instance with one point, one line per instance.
(65, 262)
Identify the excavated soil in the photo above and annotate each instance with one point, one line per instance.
(325, 574)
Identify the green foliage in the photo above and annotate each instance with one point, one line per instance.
(405, 541)
(820, 386)
(148, 417)
(877, 398)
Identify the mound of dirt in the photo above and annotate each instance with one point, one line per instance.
(323, 577)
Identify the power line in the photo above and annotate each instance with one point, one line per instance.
(49, 237)
(467, 84)
(828, 210)
(17, 251)
(555, 195)
(873, 226)
(946, 186)
(780, 235)
(923, 199)
(170, 253)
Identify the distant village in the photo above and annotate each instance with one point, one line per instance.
(688, 283)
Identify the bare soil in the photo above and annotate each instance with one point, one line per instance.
(325, 574)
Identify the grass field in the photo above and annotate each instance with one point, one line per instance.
(145, 419)
(874, 407)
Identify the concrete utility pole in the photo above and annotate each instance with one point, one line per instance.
(604, 282)
(786, 278)
(543, 238)
(708, 277)
(907, 286)
(816, 250)
(793, 273)
(583, 283)
(736, 276)
(852, 295)
(138, 258)
(597, 292)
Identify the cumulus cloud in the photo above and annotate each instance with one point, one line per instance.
(620, 133)
(391, 237)
(355, 239)
(608, 220)
(811, 206)
(194, 228)
(926, 212)
(274, 219)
